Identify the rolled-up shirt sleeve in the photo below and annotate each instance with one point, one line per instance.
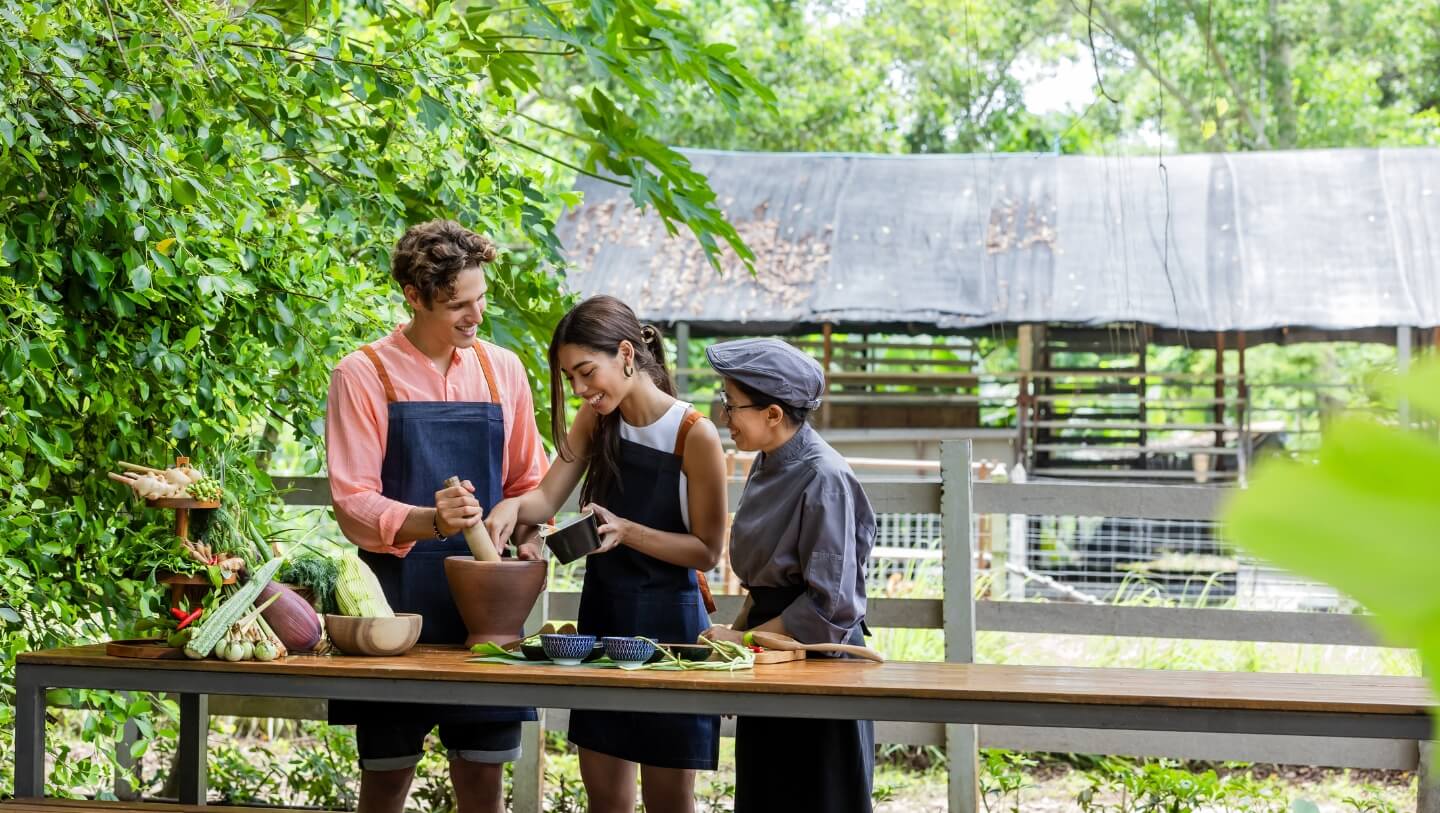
(355, 426)
(831, 605)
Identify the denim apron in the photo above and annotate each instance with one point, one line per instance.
(631, 593)
(793, 765)
(426, 443)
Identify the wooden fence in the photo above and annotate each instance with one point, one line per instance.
(959, 499)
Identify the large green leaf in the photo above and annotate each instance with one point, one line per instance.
(1363, 518)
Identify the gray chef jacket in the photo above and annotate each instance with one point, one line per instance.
(804, 519)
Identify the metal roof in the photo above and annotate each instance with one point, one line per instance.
(1321, 239)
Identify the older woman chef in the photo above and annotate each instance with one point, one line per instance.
(799, 543)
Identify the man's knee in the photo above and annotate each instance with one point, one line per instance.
(393, 779)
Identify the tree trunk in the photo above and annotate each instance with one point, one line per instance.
(1281, 64)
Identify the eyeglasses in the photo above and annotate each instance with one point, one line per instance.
(730, 408)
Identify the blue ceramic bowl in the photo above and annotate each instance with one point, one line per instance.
(628, 650)
(567, 650)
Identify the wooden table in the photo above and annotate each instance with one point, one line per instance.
(1133, 699)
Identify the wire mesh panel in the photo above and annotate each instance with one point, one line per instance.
(1092, 559)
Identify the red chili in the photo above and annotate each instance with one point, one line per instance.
(185, 622)
(757, 649)
(178, 613)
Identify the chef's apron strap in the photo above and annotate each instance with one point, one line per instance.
(488, 369)
(691, 418)
(384, 376)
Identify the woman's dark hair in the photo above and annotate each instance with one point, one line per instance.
(431, 254)
(601, 323)
(795, 416)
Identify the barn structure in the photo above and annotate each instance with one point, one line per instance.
(897, 270)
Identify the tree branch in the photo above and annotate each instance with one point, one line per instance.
(1094, 56)
(255, 114)
(555, 129)
(567, 52)
(307, 54)
(190, 35)
(562, 162)
(114, 32)
(1251, 120)
(1113, 29)
(527, 7)
(1015, 51)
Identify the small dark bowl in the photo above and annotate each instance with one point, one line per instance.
(536, 652)
(627, 650)
(568, 649)
(574, 540)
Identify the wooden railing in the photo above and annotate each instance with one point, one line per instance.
(959, 500)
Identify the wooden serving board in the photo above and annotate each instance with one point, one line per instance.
(152, 648)
(772, 656)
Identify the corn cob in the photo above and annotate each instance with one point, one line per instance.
(358, 592)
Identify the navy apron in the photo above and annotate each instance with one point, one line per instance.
(627, 592)
(792, 765)
(426, 443)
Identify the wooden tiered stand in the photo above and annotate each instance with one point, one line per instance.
(181, 585)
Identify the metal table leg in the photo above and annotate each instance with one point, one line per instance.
(191, 765)
(29, 735)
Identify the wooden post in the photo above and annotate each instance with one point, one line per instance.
(682, 359)
(1428, 798)
(1142, 412)
(827, 354)
(1402, 365)
(1018, 550)
(958, 612)
(528, 788)
(1027, 348)
(1219, 389)
(191, 755)
(1242, 414)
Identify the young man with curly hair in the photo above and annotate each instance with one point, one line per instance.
(405, 412)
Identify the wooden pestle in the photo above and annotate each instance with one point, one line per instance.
(476, 536)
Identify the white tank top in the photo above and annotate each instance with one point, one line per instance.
(660, 435)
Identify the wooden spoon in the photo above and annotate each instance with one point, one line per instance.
(772, 640)
(515, 644)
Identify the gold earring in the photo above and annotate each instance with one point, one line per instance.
(629, 371)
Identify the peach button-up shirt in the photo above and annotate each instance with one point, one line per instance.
(357, 419)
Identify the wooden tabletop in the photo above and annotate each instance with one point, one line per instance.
(901, 680)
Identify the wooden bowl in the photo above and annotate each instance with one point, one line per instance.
(378, 637)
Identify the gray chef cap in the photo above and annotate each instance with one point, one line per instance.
(772, 367)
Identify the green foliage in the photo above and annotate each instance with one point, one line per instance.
(197, 201)
(1362, 518)
(1166, 786)
(1003, 778)
(921, 76)
(1259, 74)
(316, 572)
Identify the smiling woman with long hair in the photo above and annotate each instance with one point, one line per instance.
(654, 475)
